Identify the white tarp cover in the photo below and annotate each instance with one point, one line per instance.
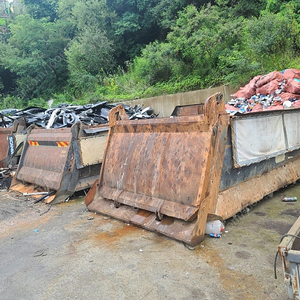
(260, 137)
(292, 128)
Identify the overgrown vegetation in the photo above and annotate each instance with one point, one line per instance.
(89, 50)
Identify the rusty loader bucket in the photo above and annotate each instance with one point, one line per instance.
(10, 139)
(60, 161)
(163, 174)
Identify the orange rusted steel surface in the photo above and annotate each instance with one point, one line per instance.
(158, 173)
(60, 160)
(44, 162)
(4, 133)
(188, 110)
(8, 141)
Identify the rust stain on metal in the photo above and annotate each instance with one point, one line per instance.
(188, 110)
(42, 164)
(295, 284)
(18, 126)
(237, 197)
(4, 133)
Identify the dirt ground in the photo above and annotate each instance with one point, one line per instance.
(65, 252)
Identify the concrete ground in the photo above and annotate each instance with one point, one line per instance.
(65, 252)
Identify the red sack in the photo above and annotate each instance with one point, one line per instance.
(245, 92)
(254, 81)
(291, 73)
(296, 103)
(230, 107)
(287, 96)
(248, 90)
(257, 107)
(269, 77)
(276, 107)
(268, 88)
(292, 86)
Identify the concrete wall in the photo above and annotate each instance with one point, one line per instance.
(164, 105)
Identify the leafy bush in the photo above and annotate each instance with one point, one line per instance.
(11, 102)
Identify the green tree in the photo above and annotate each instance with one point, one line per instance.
(35, 53)
(89, 54)
(244, 8)
(139, 23)
(200, 37)
(42, 8)
(272, 40)
(157, 63)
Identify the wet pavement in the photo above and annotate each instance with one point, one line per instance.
(65, 252)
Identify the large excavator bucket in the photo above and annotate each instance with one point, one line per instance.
(163, 174)
(60, 161)
(10, 139)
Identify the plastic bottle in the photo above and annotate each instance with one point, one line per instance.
(215, 227)
(289, 199)
(215, 235)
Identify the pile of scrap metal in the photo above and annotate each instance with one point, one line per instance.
(274, 91)
(201, 165)
(65, 115)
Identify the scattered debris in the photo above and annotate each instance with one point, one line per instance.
(5, 178)
(37, 193)
(189, 246)
(44, 196)
(44, 212)
(40, 253)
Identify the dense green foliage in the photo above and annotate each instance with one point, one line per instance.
(88, 50)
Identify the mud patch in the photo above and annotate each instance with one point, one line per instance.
(243, 254)
(197, 294)
(280, 227)
(260, 213)
(239, 285)
(291, 212)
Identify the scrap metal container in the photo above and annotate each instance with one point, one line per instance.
(289, 250)
(262, 155)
